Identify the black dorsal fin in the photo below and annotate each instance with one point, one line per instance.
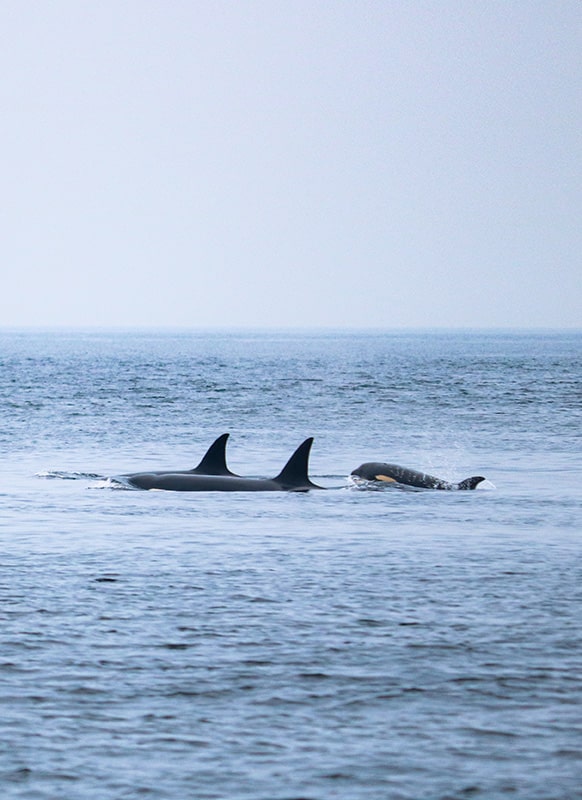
(294, 475)
(214, 462)
(470, 483)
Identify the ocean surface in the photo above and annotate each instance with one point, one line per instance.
(347, 644)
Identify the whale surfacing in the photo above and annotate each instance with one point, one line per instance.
(381, 472)
(292, 478)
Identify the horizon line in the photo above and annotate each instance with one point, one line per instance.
(38, 328)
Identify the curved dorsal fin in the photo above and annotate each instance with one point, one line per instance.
(294, 475)
(470, 483)
(214, 461)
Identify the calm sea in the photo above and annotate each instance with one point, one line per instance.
(345, 644)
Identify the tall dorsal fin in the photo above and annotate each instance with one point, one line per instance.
(214, 462)
(294, 475)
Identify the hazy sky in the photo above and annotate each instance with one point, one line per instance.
(291, 162)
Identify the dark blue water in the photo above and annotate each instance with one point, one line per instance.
(343, 644)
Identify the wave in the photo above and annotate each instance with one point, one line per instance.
(66, 475)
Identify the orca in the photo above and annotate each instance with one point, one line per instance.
(402, 476)
(292, 478)
(213, 462)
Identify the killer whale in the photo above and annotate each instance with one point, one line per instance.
(402, 476)
(213, 462)
(292, 478)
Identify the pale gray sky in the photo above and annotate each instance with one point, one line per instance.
(291, 162)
